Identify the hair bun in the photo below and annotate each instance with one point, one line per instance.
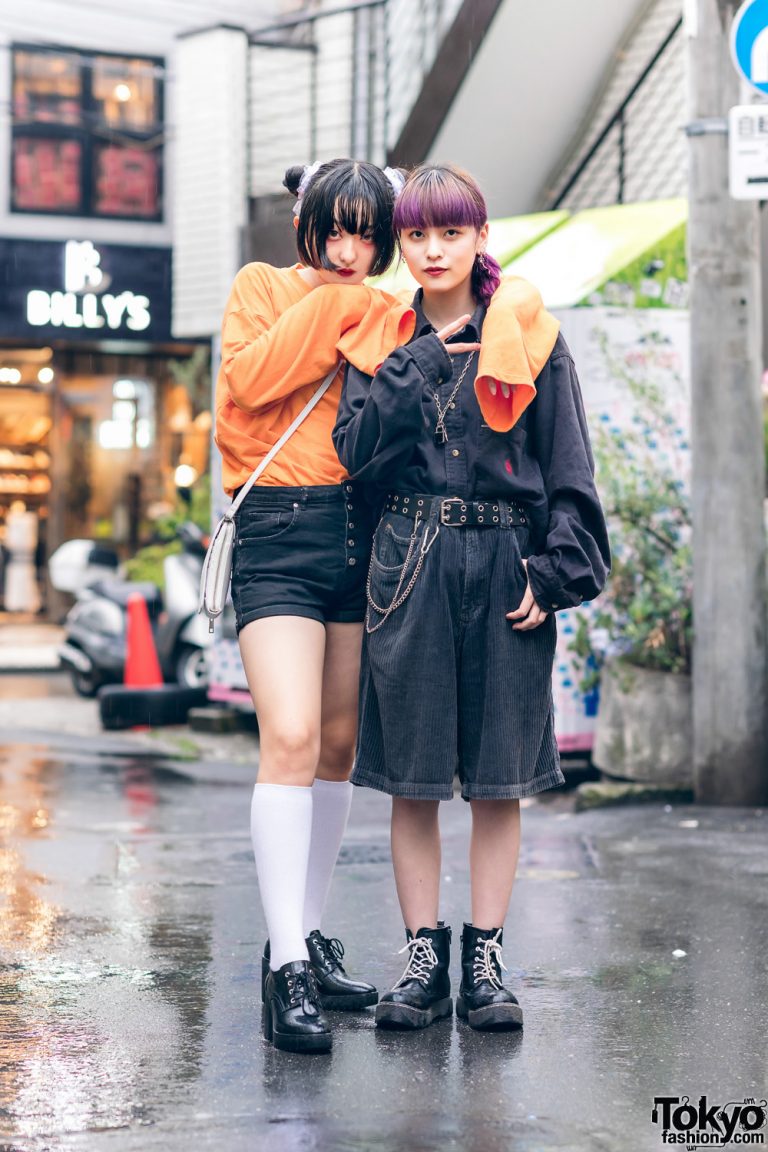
(293, 177)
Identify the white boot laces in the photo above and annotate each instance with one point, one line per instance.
(420, 962)
(488, 954)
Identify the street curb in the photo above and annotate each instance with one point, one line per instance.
(232, 773)
(15, 666)
(106, 745)
(614, 793)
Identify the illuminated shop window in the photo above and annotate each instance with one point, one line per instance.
(126, 182)
(47, 88)
(87, 134)
(124, 93)
(47, 174)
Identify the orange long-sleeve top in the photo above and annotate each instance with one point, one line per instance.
(280, 338)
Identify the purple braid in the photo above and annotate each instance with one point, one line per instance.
(486, 277)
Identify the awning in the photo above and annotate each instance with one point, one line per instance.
(580, 256)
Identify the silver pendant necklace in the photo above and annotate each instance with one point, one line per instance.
(441, 432)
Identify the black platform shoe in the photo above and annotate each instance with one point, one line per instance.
(291, 1017)
(423, 992)
(337, 991)
(483, 1001)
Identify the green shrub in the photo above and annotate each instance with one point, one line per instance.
(147, 564)
(645, 615)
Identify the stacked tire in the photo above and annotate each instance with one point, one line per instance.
(126, 707)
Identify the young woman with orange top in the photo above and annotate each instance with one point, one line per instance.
(301, 554)
(480, 453)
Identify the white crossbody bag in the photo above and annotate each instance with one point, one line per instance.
(217, 566)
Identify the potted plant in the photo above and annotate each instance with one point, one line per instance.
(638, 638)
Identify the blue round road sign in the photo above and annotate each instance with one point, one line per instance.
(749, 43)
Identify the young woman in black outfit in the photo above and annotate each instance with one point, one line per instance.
(485, 534)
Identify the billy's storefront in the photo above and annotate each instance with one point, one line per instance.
(97, 402)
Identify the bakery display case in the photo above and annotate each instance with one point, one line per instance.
(25, 458)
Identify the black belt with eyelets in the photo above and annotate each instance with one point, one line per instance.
(455, 512)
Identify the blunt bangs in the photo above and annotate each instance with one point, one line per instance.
(352, 195)
(438, 197)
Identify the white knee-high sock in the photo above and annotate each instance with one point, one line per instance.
(281, 831)
(331, 800)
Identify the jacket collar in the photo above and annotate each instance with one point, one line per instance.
(468, 335)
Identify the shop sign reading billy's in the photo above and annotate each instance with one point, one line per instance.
(77, 290)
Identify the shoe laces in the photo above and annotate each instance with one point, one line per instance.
(331, 948)
(301, 987)
(488, 961)
(420, 962)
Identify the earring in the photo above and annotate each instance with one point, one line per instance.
(480, 260)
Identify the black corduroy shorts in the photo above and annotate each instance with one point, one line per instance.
(447, 685)
(301, 552)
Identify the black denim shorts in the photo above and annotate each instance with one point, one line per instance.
(301, 552)
(447, 686)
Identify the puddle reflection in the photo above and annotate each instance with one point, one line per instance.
(28, 919)
(103, 995)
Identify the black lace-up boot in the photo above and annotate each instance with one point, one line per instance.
(423, 992)
(337, 991)
(483, 1001)
(291, 1017)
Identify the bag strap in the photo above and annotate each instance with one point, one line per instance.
(263, 464)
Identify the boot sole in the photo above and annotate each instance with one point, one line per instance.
(351, 1003)
(285, 1042)
(402, 1016)
(306, 1044)
(493, 1018)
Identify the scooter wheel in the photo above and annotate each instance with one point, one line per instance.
(85, 683)
(192, 668)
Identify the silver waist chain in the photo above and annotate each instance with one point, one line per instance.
(401, 594)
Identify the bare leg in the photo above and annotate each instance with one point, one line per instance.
(493, 854)
(283, 658)
(416, 857)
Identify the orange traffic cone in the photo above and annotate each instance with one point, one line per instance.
(142, 667)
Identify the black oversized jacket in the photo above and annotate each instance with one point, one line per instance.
(385, 437)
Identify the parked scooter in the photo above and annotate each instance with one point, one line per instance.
(95, 627)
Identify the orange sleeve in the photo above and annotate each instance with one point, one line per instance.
(518, 337)
(387, 324)
(265, 357)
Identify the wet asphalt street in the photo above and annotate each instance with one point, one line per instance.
(129, 987)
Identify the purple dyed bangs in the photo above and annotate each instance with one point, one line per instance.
(437, 197)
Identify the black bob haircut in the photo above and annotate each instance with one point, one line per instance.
(349, 194)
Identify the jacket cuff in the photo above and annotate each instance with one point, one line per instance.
(547, 589)
(431, 358)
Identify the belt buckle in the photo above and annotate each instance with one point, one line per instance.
(445, 510)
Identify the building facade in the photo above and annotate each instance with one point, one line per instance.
(98, 404)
